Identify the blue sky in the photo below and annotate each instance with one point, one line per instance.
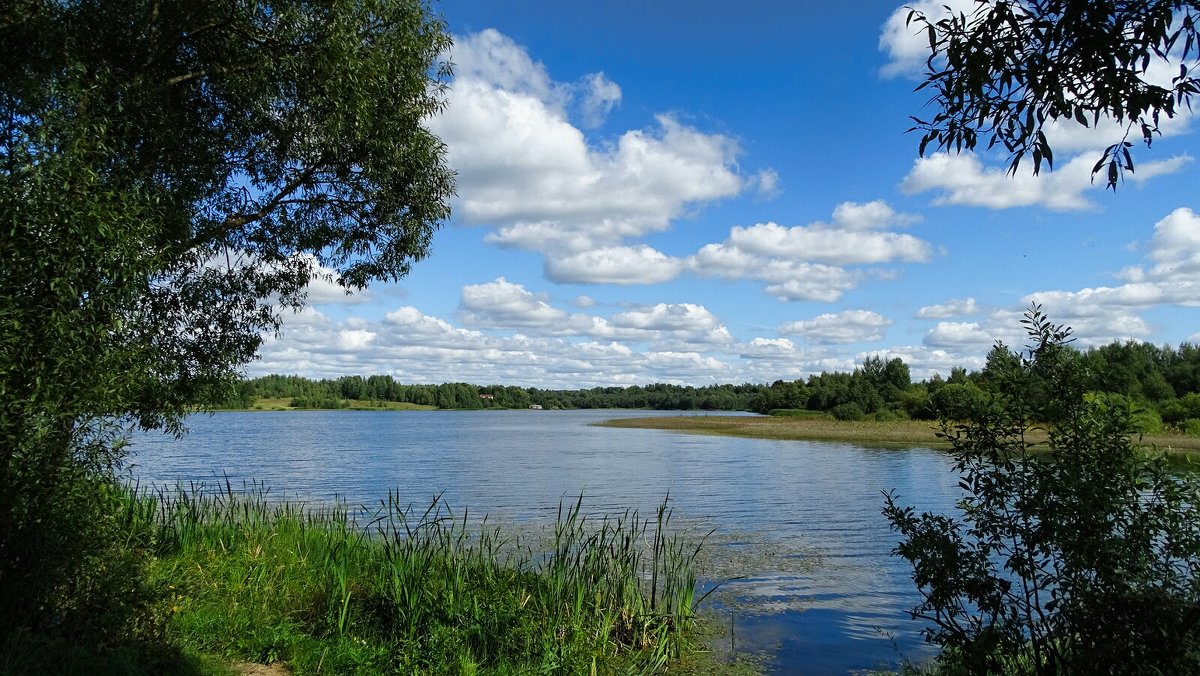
(723, 192)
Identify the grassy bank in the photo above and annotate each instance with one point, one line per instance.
(892, 433)
(328, 591)
(285, 404)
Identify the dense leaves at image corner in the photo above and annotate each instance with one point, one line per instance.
(1079, 556)
(1007, 71)
(172, 175)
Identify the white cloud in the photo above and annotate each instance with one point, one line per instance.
(951, 308)
(355, 339)
(924, 362)
(962, 179)
(504, 304)
(679, 343)
(766, 184)
(622, 265)
(1175, 247)
(787, 280)
(870, 216)
(489, 56)
(668, 317)
(526, 170)
(848, 326)
(829, 245)
(906, 44)
(768, 348)
(600, 96)
(805, 262)
(1078, 147)
(958, 334)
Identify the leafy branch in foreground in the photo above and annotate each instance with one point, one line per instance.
(173, 175)
(1083, 557)
(1008, 70)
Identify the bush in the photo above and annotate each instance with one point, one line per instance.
(1191, 427)
(1141, 420)
(1082, 559)
(889, 415)
(847, 411)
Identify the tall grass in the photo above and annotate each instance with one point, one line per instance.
(328, 589)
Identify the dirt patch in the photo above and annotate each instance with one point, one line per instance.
(251, 669)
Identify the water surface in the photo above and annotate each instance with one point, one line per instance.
(817, 500)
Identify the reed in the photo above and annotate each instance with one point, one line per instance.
(391, 588)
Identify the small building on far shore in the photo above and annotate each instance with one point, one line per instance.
(535, 407)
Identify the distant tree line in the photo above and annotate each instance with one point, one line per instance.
(337, 392)
(1163, 383)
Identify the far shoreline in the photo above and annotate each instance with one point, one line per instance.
(893, 434)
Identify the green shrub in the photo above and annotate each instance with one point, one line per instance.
(847, 412)
(890, 415)
(1191, 427)
(1082, 559)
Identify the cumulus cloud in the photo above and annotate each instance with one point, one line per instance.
(871, 215)
(906, 44)
(503, 304)
(1103, 314)
(923, 361)
(951, 308)
(829, 245)
(958, 334)
(787, 280)
(963, 179)
(659, 343)
(808, 262)
(664, 317)
(1175, 247)
(526, 170)
(768, 348)
(621, 265)
(848, 326)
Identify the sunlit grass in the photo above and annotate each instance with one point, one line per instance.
(329, 590)
(285, 404)
(892, 433)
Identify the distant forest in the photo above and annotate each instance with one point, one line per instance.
(1162, 384)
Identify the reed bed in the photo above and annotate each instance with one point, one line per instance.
(896, 433)
(393, 589)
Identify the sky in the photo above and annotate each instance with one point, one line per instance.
(713, 192)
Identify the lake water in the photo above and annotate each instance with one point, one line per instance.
(821, 593)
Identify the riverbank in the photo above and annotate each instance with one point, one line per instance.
(285, 404)
(232, 578)
(869, 433)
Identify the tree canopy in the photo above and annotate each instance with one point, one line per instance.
(172, 177)
(1008, 68)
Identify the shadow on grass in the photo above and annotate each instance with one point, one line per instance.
(25, 655)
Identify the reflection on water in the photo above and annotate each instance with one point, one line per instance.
(848, 612)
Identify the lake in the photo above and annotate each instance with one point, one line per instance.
(800, 520)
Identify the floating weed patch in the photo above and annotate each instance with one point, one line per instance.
(398, 589)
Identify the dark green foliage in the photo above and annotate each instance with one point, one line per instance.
(1085, 559)
(957, 401)
(1003, 70)
(847, 411)
(172, 175)
(313, 393)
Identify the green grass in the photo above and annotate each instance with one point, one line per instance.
(868, 432)
(397, 590)
(285, 404)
